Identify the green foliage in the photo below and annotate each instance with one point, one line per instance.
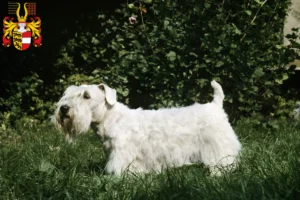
(39, 165)
(168, 57)
(25, 100)
(171, 53)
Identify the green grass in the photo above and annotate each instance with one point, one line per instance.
(36, 163)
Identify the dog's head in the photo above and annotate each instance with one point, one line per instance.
(82, 105)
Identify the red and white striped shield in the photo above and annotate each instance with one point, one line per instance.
(21, 39)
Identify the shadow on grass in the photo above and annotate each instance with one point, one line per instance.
(41, 165)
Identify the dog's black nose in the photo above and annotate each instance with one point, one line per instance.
(64, 109)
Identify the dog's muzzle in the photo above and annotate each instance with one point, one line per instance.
(64, 110)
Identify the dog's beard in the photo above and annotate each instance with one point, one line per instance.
(74, 123)
(67, 124)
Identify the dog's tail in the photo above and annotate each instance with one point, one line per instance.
(218, 93)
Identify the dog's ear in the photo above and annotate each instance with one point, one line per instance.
(110, 94)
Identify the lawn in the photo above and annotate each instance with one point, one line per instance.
(36, 163)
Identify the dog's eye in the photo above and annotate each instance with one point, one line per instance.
(86, 95)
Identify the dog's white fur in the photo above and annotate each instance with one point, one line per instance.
(150, 140)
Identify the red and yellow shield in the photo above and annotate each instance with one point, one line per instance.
(22, 31)
(22, 40)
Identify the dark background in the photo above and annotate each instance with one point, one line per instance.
(58, 24)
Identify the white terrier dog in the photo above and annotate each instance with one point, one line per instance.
(149, 140)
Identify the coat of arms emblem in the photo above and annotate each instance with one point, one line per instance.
(22, 33)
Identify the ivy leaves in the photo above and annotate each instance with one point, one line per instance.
(174, 49)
